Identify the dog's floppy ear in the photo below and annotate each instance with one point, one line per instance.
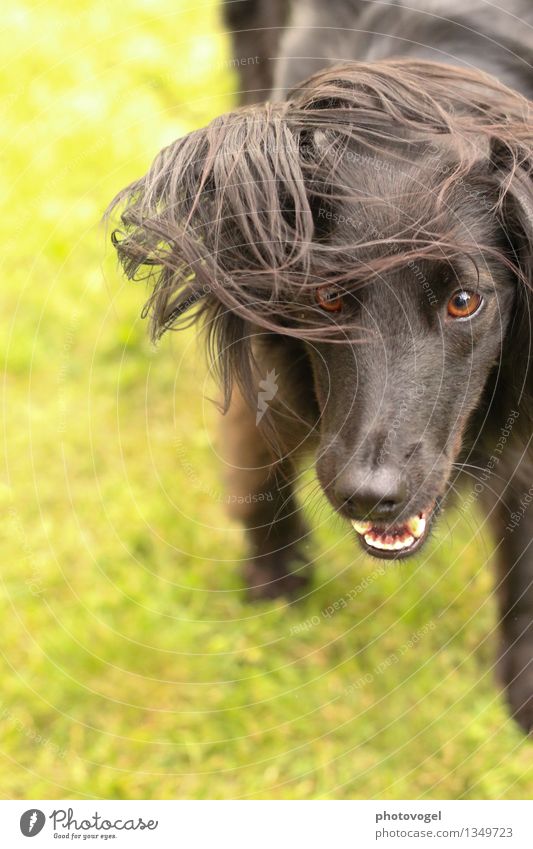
(219, 214)
(514, 171)
(514, 174)
(219, 208)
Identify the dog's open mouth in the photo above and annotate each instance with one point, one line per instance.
(396, 541)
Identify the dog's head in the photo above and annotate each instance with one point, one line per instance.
(383, 217)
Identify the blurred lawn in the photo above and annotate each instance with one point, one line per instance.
(131, 665)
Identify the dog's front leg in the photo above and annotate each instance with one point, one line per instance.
(514, 536)
(260, 495)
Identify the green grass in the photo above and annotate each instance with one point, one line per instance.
(131, 664)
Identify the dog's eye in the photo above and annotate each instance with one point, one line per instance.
(329, 298)
(463, 304)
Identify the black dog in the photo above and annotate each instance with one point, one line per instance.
(360, 250)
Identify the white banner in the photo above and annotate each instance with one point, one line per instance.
(267, 824)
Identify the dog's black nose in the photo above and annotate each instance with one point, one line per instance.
(371, 495)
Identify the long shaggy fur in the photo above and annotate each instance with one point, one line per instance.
(232, 222)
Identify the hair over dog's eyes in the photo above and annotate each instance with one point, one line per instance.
(463, 303)
(329, 298)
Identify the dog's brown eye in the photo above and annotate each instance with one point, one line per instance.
(463, 304)
(329, 298)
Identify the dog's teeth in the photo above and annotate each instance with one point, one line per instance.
(404, 542)
(416, 526)
(389, 543)
(361, 527)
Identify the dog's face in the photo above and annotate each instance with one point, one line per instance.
(396, 403)
(395, 406)
(390, 203)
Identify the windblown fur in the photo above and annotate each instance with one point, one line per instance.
(236, 222)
